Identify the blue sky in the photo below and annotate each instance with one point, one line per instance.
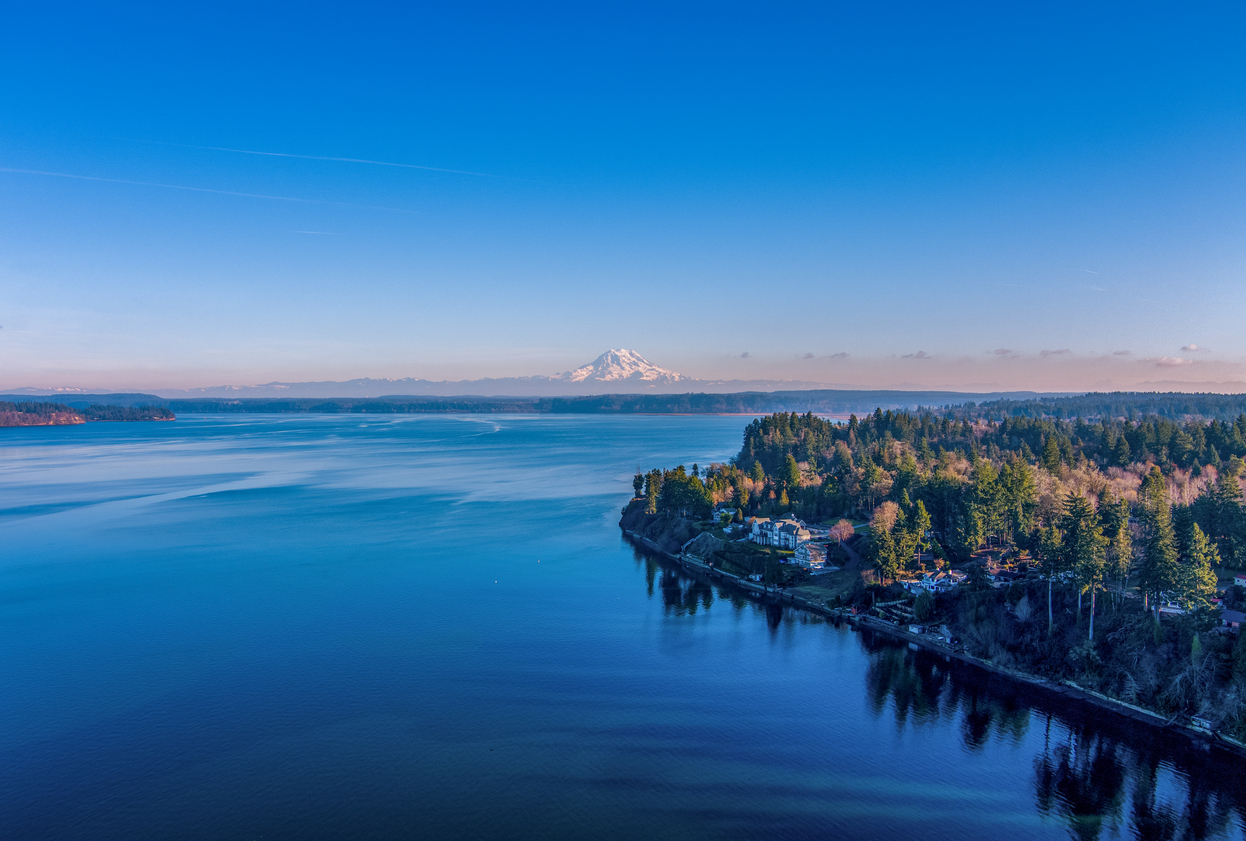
(941, 194)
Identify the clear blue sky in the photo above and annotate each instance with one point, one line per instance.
(941, 193)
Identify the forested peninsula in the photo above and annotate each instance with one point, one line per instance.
(1102, 554)
(33, 413)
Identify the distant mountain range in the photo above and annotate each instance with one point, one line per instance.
(618, 371)
(615, 372)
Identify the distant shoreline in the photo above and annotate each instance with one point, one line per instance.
(831, 403)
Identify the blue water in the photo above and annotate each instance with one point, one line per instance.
(294, 627)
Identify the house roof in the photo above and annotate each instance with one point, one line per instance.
(1232, 616)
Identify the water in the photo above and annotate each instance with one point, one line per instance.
(294, 627)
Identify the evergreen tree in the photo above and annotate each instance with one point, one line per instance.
(1051, 455)
(1120, 456)
(883, 548)
(791, 473)
(920, 525)
(1161, 571)
(653, 486)
(1051, 556)
(638, 484)
(1197, 581)
(1020, 498)
(1114, 522)
(1084, 546)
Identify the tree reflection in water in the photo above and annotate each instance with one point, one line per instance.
(919, 688)
(1084, 776)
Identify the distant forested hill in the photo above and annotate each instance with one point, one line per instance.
(1131, 405)
(31, 413)
(823, 401)
(127, 413)
(34, 413)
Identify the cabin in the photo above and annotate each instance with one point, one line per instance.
(1232, 619)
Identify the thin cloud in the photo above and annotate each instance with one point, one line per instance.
(320, 233)
(1122, 352)
(840, 355)
(1061, 352)
(744, 355)
(196, 189)
(1170, 362)
(1088, 271)
(1004, 352)
(807, 356)
(921, 354)
(1192, 348)
(330, 158)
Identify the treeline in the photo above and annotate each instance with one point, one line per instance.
(823, 401)
(296, 405)
(986, 483)
(1123, 405)
(127, 413)
(678, 492)
(32, 413)
(1115, 521)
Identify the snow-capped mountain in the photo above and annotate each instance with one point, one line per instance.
(614, 372)
(615, 365)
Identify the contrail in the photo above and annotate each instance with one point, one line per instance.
(330, 158)
(197, 189)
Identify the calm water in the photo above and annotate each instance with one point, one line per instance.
(342, 627)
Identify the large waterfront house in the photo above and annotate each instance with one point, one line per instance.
(784, 534)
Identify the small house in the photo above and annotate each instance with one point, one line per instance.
(810, 555)
(1232, 618)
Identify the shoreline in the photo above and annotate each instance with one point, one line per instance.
(1065, 692)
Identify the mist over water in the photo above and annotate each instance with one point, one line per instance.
(345, 626)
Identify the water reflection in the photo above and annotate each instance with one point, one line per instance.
(1095, 777)
(919, 688)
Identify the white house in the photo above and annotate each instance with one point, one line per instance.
(790, 533)
(759, 526)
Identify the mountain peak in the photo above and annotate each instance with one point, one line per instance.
(621, 364)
